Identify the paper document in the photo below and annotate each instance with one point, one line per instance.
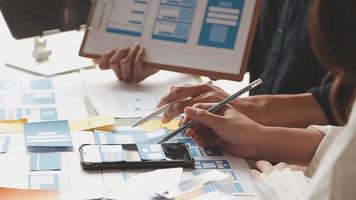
(109, 96)
(40, 100)
(204, 37)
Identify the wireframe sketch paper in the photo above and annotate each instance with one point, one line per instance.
(206, 37)
(111, 97)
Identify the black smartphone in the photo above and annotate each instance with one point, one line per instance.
(135, 156)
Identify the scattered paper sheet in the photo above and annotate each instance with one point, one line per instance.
(141, 186)
(109, 96)
(188, 189)
(21, 194)
(129, 137)
(40, 99)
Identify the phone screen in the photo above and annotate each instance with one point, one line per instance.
(135, 153)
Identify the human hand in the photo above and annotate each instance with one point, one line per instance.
(189, 95)
(127, 63)
(227, 129)
(266, 167)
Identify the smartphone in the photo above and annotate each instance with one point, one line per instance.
(135, 156)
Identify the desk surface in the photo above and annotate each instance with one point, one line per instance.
(9, 45)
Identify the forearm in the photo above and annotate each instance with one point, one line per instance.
(297, 111)
(291, 145)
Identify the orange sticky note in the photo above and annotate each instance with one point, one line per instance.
(21, 194)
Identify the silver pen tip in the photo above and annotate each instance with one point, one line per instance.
(256, 83)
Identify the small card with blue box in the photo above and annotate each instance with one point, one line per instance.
(48, 136)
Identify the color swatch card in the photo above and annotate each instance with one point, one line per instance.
(4, 144)
(46, 161)
(48, 134)
(151, 152)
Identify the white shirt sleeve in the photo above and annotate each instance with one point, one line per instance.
(331, 132)
(285, 184)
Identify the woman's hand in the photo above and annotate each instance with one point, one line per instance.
(228, 129)
(127, 63)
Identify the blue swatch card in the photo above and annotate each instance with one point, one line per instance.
(4, 144)
(48, 134)
(45, 161)
(151, 152)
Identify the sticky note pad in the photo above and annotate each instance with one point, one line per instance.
(4, 144)
(45, 161)
(112, 153)
(151, 152)
(48, 134)
(102, 123)
(157, 124)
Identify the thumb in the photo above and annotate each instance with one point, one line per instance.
(203, 116)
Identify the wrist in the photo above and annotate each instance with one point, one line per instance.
(258, 141)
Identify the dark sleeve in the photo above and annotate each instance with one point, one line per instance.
(322, 96)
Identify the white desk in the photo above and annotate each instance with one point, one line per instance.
(8, 44)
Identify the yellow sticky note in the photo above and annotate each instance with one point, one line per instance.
(11, 128)
(13, 121)
(157, 124)
(102, 123)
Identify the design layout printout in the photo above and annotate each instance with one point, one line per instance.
(188, 34)
(34, 100)
(119, 99)
(42, 99)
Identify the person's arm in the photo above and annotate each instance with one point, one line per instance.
(298, 110)
(322, 96)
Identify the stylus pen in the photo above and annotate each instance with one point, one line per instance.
(212, 109)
